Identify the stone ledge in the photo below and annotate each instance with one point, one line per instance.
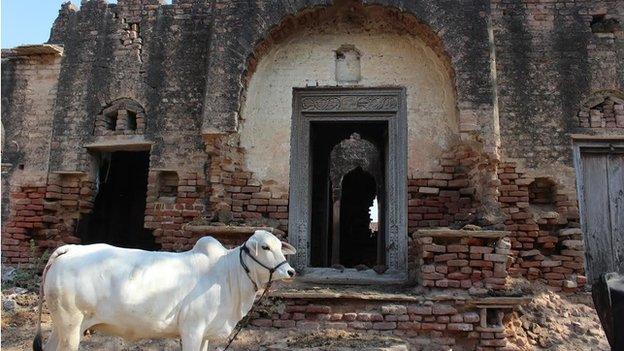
(68, 172)
(322, 295)
(487, 302)
(37, 49)
(459, 233)
(231, 230)
(600, 137)
(500, 301)
(120, 143)
(351, 276)
(301, 290)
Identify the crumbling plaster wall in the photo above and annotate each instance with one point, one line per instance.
(549, 62)
(144, 51)
(456, 33)
(29, 86)
(457, 29)
(307, 58)
(150, 53)
(29, 93)
(191, 65)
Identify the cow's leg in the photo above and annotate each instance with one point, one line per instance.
(71, 340)
(204, 345)
(192, 340)
(71, 324)
(53, 341)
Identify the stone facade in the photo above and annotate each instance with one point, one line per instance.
(495, 91)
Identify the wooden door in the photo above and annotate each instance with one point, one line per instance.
(601, 197)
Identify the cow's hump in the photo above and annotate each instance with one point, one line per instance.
(210, 247)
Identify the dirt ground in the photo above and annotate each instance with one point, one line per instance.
(552, 321)
(558, 322)
(19, 324)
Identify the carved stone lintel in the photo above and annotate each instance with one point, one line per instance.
(364, 103)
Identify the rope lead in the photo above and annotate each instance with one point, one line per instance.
(245, 321)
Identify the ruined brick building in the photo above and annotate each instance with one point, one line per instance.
(146, 124)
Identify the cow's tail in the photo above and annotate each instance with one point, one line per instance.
(38, 341)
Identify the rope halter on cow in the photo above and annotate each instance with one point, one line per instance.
(239, 326)
(246, 250)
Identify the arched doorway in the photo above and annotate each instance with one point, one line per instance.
(360, 146)
(361, 66)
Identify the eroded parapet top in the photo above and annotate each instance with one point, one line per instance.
(30, 50)
(139, 3)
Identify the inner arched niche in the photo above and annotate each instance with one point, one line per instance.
(356, 180)
(393, 53)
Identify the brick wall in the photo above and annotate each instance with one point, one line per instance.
(546, 239)
(460, 259)
(138, 58)
(602, 110)
(437, 323)
(166, 212)
(29, 86)
(539, 99)
(47, 214)
(450, 194)
(235, 195)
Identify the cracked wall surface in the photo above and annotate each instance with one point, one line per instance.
(495, 89)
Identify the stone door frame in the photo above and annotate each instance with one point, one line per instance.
(386, 104)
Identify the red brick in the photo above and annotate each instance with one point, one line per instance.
(457, 248)
(439, 309)
(384, 325)
(263, 322)
(318, 309)
(445, 257)
(408, 325)
(460, 326)
(420, 310)
(433, 326)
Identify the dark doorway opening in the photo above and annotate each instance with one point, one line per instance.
(358, 240)
(119, 209)
(347, 211)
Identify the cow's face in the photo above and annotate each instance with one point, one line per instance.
(271, 251)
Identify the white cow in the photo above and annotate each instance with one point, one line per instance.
(197, 295)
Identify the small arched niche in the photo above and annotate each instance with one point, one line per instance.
(356, 180)
(120, 117)
(348, 70)
(543, 193)
(603, 109)
(168, 182)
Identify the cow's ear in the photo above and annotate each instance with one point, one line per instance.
(288, 249)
